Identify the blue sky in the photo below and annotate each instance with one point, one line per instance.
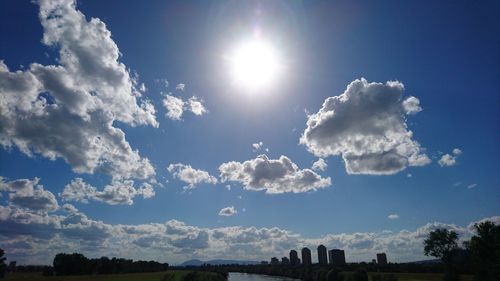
(88, 114)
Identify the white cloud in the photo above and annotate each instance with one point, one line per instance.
(412, 105)
(69, 110)
(320, 165)
(228, 211)
(190, 176)
(393, 216)
(176, 106)
(195, 105)
(257, 146)
(472, 185)
(28, 194)
(228, 186)
(118, 192)
(180, 87)
(367, 127)
(448, 160)
(272, 175)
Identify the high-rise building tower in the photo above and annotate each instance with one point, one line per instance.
(306, 256)
(294, 258)
(381, 259)
(322, 257)
(337, 257)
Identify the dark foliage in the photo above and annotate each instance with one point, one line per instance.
(485, 251)
(442, 243)
(78, 264)
(3, 265)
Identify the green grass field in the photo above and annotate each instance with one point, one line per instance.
(423, 276)
(156, 276)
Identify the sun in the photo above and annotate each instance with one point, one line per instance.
(254, 64)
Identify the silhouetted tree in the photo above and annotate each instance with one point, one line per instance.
(71, 264)
(3, 265)
(442, 243)
(485, 250)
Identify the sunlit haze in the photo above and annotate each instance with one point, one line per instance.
(254, 64)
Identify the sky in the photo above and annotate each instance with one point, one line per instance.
(245, 129)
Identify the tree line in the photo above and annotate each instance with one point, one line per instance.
(78, 264)
(481, 254)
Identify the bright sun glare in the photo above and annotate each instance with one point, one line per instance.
(254, 64)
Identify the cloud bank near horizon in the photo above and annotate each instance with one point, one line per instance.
(35, 229)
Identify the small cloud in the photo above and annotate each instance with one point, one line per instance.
(409, 175)
(458, 183)
(393, 216)
(470, 186)
(176, 106)
(189, 175)
(320, 165)
(180, 87)
(412, 105)
(195, 105)
(228, 186)
(244, 210)
(228, 211)
(240, 197)
(257, 146)
(448, 160)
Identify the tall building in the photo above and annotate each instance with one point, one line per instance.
(294, 258)
(274, 260)
(285, 260)
(337, 257)
(306, 256)
(381, 258)
(322, 257)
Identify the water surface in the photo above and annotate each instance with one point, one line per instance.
(236, 276)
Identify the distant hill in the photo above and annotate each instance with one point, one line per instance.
(195, 262)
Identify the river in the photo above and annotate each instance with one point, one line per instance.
(236, 276)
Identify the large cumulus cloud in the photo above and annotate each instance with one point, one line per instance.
(272, 175)
(69, 110)
(366, 125)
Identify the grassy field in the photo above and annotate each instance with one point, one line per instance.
(423, 276)
(153, 276)
(177, 276)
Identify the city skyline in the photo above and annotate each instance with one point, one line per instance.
(243, 129)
